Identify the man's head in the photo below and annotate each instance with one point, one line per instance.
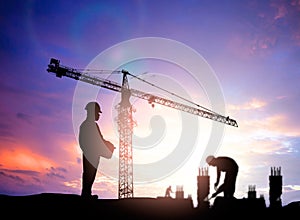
(93, 109)
(209, 159)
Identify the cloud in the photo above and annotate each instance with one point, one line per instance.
(268, 27)
(287, 15)
(271, 125)
(24, 117)
(58, 172)
(269, 117)
(15, 178)
(281, 9)
(19, 181)
(288, 188)
(254, 103)
(6, 133)
(26, 172)
(21, 157)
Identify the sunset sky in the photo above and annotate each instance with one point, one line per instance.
(250, 51)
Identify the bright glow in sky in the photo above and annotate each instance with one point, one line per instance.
(252, 46)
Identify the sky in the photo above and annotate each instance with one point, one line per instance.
(237, 58)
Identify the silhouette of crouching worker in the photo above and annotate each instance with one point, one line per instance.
(231, 168)
(168, 191)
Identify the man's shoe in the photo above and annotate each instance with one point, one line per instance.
(94, 196)
(89, 196)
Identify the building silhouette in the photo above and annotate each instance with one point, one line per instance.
(203, 189)
(179, 192)
(275, 187)
(251, 192)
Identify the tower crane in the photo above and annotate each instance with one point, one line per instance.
(125, 120)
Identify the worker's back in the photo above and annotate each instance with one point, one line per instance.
(226, 164)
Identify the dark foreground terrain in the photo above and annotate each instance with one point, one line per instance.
(52, 205)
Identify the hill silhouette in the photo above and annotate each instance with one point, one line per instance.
(55, 205)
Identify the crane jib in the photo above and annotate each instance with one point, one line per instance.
(61, 71)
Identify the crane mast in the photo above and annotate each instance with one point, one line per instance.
(125, 128)
(125, 120)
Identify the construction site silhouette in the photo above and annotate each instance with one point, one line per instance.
(180, 206)
(53, 205)
(125, 120)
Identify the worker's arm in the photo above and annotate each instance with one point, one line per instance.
(219, 190)
(218, 177)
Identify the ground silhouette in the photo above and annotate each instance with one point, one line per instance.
(54, 205)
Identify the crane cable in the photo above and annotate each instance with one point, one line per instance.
(151, 84)
(171, 93)
(95, 71)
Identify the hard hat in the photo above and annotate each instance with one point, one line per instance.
(209, 158)
(93, 106)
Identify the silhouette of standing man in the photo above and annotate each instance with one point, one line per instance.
(231, 168)
(93, 145)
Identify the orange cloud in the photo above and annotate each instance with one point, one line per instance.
(274, 124)
(22, 158)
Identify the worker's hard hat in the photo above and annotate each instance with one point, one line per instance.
(93, 106)
(209, 158)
